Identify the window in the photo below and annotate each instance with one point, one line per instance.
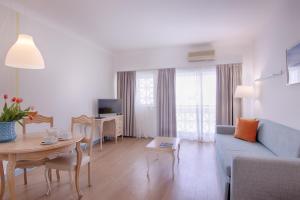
(145, 88)
(145, 104)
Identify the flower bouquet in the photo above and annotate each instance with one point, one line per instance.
(12, 113)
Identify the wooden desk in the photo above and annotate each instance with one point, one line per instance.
(110, 126)
(28, 147)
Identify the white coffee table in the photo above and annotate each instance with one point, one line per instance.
(155, 146)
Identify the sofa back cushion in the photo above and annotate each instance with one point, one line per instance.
(281, 140)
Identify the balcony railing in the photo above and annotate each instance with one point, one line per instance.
(196, 121)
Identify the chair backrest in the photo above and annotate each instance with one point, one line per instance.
(85, 122)
(37, 119)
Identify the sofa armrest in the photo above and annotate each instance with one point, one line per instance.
(265, 178)
(225, 129)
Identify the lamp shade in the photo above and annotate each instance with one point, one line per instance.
(243, 91)
(24, 54)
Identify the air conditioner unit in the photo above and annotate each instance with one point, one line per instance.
(201, 56)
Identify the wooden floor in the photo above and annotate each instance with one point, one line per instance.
(119, 172)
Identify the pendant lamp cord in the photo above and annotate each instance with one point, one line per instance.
(17, 70)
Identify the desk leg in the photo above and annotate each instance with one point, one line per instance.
(173, 163)
(101, 134)
(178, 153)
(10, 171)
(77, 171)
(148, 163)
(2, 180)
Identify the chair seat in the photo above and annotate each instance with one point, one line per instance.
(66, 162)
(30, 163)
(33, 163)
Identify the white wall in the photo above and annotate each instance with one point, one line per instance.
(76, 73)
(276, 100)
(177, 56)
(226, 52)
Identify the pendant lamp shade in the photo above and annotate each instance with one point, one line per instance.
(24, 54)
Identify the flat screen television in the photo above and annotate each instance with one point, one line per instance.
(109, 106)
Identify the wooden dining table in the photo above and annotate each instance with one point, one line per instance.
(29, 147)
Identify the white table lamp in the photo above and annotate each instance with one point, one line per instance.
(244, 91)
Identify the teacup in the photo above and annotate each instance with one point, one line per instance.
(52, 132)
(64, 134)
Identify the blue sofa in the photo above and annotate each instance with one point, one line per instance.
(267, 169)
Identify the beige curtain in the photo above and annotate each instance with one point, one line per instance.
(126, 92)
(228, 107)
(166, 105)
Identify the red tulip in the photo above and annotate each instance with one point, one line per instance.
(5, 96)
(14, 99)
(19, 100)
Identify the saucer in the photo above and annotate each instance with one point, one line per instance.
(48, 143)
(64, 138)
(49, 140)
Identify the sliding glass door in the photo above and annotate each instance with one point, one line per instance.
(196, 103)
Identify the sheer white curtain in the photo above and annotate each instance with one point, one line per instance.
(145, 104)
(196, 103)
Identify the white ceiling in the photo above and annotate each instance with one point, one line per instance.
(134, 24)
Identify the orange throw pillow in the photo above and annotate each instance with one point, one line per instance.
(246, 129)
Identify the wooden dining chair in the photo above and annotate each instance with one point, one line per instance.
(68, 162)
(25, 164)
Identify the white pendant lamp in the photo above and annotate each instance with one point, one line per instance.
(24, 54)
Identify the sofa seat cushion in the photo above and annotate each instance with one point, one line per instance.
(228, 147)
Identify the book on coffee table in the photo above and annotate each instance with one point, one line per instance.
(165, 145)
